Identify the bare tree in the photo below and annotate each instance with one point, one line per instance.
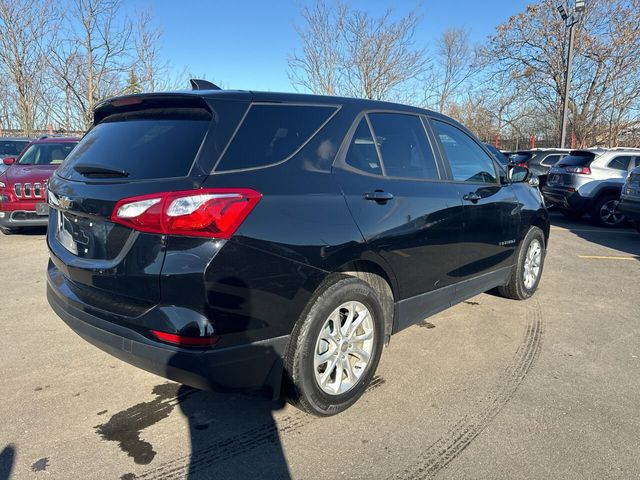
(24, 27)
(606, 76)
(349, 52)
(454, 65)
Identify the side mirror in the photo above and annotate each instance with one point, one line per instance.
(9, 160)
(517, 174)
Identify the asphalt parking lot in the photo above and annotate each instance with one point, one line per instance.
(492, 388)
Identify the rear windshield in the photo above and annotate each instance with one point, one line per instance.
(146, 144)
(520, 157)
(11, 148)
(577, 160)
(271, 133)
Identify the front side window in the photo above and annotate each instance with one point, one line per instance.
(272, 133)
(620, 163)
(404, 146)
(468, 162)
(362, 153)
(46, 154)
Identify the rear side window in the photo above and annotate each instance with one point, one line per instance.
(577, 160)
(620, 163)
(272, 133)
(46, 153)
(147, 144)
(362, 152)
(468, 162)
(403, 145)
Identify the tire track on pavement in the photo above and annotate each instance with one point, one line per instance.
(227, 448)
(444, 450)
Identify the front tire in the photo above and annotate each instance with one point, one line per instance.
(526, 273)
(335, 348)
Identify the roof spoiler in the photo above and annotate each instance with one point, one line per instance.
(197, 84)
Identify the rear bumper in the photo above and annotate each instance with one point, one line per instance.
(563, 198)
(250, 366)
(22, 218)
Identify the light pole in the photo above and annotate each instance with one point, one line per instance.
(571, 20)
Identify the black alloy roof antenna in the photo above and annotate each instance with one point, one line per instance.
(197, 84)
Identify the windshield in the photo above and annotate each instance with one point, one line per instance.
(46, 153)
(12, 148)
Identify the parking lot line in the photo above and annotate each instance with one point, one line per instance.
(606, 257)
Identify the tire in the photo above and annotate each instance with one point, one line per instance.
(605, 212)
(8, 231)
(570, 214)
(518, 288)
(308, 340)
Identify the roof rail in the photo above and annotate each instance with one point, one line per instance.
(197, 84)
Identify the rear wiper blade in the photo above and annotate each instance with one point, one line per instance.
(97, 171)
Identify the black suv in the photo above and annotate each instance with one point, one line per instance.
(221, 238)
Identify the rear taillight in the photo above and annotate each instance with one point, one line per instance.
(581, 170)
(184, 341)
(215, 213)
(522, 164)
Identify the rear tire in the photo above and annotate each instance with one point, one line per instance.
(605, 212)
(526, 273)
(328, 366)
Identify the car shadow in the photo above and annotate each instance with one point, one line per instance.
(7, 457)
(625, 240)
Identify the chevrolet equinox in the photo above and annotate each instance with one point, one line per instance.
(228, 239)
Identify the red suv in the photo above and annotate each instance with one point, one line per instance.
(22, 186)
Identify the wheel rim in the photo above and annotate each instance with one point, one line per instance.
(532, 262)
(344, 348)
(609, 213)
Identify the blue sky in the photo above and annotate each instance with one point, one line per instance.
(244, 44)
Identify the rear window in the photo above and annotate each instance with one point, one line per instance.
(11, 148)
(520, 157)
(272, 133)
(577, 160)
(146, 144)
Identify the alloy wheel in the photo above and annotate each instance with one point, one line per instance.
(344, 348)
(532, 262)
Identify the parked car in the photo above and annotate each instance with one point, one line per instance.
(630, 198)
(22, 186)
(538, 160)
(590, 181)
(11, 147)
(237, 239)
(502, 157)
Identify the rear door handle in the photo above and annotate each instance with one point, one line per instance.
(472, 197)
(378, 196)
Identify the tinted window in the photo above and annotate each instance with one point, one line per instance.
(520, 157)
(577, 159)
(469, 163)
(272, 133)
(403, 145)
(46, 153)
(145, 144)
(11, 148)
(620, 163)
(551, 160)
(362, 152)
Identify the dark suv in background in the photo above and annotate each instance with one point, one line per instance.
(538, 160)
(223, 238)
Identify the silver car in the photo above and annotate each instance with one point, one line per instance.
(590, 182)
